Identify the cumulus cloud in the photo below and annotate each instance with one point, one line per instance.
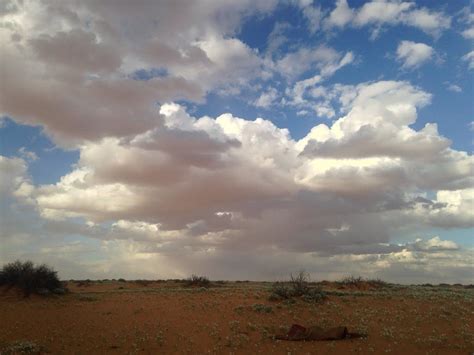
(340, 16)
(451, 208)
(76, 50)
(247, 238)
(412, 54)
(431, 22)
(50, 68)
(230, 183)
(158, 185)
(380, 13)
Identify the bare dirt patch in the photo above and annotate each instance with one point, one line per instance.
(235, 317)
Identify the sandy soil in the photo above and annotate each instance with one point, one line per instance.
(169, 318)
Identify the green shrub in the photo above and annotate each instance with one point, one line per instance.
(315, 295)
(280, 291)
(30, 279)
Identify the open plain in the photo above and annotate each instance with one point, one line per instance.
(168, 317)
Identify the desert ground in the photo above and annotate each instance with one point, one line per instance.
(169, 317)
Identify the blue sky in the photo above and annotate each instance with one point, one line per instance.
(135, 144)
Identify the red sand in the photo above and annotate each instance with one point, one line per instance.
(168, 318)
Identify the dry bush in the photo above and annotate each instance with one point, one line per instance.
(361, 283)
(299, 283)
(198, 281)
(298, 286)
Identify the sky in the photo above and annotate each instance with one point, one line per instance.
(238, 139)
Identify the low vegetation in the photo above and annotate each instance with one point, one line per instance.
(360, 282)
(262, 308)
(23, 347)
(143, 283)
(198, 281)
(31, 278)
(186, 316)
(298, 286)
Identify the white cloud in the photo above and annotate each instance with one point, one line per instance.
(468, 33)
(27, 155)
(138, 249)
(467, 19)
(165, 187)
(301, 86)
(376, 134)
(180, 175)
(431, 22)
(413, 55)
(277, 37)
(469, 58)
(223, 195)
(379, 13)
(13, 172)
(454, 87)
(323, 58)
(306, 92)
(340, 16)
(450, 208)
(434, 244)
(131, 254)
(225, 54)
(85, 55)
(266, 99)
(230, 189)
(313, 15)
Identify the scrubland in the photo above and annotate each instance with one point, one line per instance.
(220, 317)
